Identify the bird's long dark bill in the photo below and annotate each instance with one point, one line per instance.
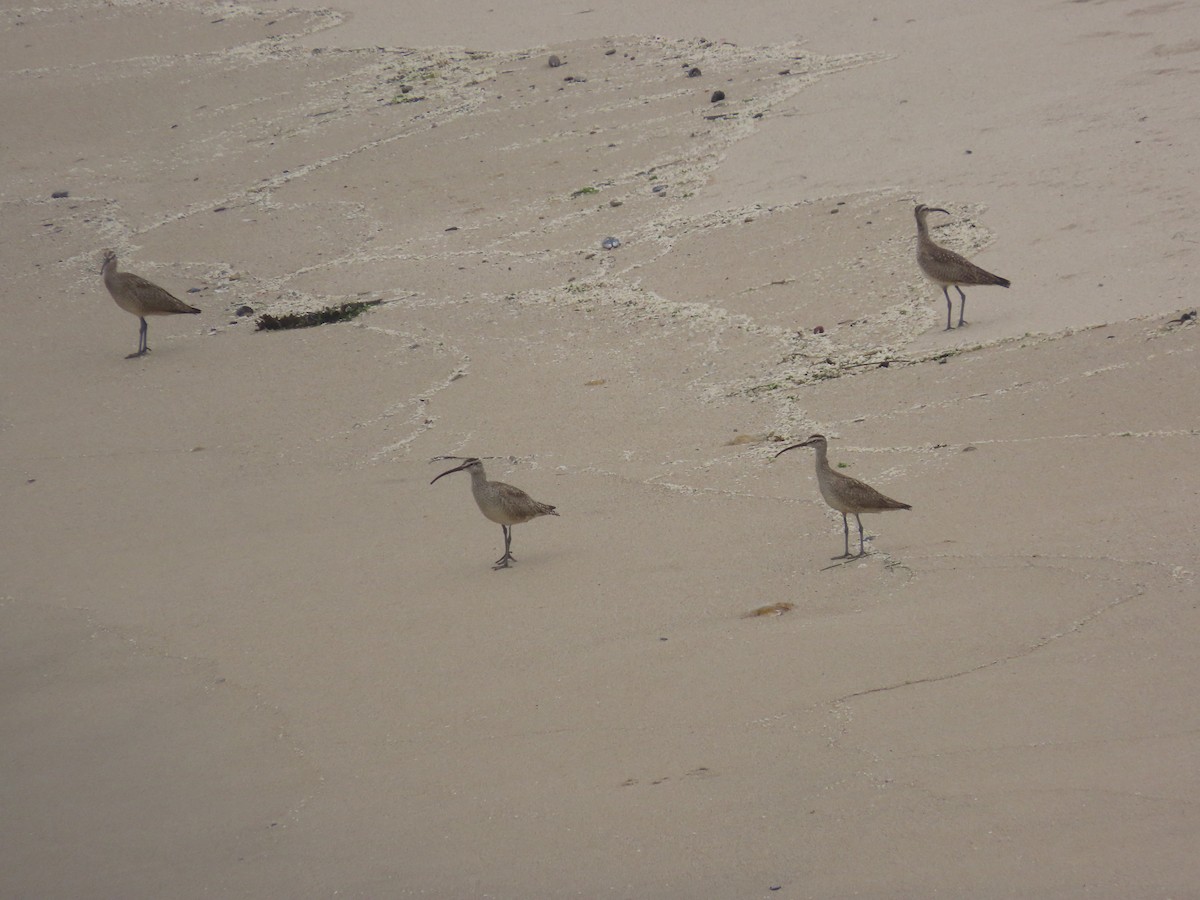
(451, 471)
(793, 447)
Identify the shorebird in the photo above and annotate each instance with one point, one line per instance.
(945, 267)
(502, 503)
(845, 494)
(136, 295)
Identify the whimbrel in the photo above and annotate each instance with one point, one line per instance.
(136, 295)
(502, 503)
(845, 494)
(945, 267)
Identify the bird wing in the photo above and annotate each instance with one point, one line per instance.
(518, 504)
(953, 268)
(939, 256)
(149, 296)
(865, 497)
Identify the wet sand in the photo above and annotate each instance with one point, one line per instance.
(250, 651)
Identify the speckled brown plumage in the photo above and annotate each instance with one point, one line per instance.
(945, 268)
(845, 494)
(501, 503)
(136, 295)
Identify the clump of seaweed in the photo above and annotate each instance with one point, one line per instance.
(342, 313)
(772, 609)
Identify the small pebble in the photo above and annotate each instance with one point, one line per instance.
(694, 72)
(555, 62)
(717, 97)
(820, 329)
(659, 188)
(59, 195)
(243, 311)
(610, 243)
(194, 290)
(614, 202)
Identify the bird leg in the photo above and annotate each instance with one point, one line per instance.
(502, 562)
(861, 549)
(142, 349)
(961, 306)
(949, 305)
(846, 535)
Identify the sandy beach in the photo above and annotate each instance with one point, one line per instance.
(248, 650)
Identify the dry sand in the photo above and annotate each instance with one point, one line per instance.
(248, 651)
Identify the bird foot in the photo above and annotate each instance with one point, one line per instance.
(843, 556)
(140, 353)
(502, 562)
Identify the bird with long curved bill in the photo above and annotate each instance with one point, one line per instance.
(947, 269)
(501, 503)
(845, 494)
